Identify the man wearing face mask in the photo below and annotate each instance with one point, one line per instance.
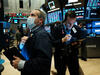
(66, 51)
(38, 48)
(30, 22)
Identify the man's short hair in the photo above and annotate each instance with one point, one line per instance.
(70, 14)
(41, 15)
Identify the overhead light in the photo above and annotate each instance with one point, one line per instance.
(72, 1)
(77, 3)
(68, 5)
(79, 11)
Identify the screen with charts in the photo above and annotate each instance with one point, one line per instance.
(93, 27)
(93, 3)
(96, 24)
(6, 25)
(96, 27)
(96, 31)
(54, 16)
(93, 6)
(89, 25)
(89, 28)
(89, 31)
(78, 10)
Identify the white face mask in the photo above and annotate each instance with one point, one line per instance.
(30, 22)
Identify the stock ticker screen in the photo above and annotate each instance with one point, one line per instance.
(91, 10)
(57, 15)
(93, 27)
(96, 27)
(54, 16)
(78, 10)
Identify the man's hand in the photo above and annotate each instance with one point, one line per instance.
(24, 39)
(66, 38)
(6, 40)
(15, 62)
(74, 43)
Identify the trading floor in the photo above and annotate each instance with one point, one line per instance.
(32, 32)
(90, 67)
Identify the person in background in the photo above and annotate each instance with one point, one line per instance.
(39, 48)
(66, 35)
(18, 36)
(83, 43)
(7, 38)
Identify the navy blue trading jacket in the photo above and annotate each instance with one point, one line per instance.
(39, 49)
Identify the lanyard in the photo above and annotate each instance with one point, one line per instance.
(66, 30)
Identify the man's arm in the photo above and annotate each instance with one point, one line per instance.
(57, 40)
(42, 56)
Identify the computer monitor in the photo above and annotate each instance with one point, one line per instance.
(54, 17)
(96, 31)
(5, 25)
(92, 9)
(96, 24)
(93, 3)
(24, 25)
(89, 31)
(15, 21)
(78, 10)
(89, 25)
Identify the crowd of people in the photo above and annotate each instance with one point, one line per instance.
(36, 46)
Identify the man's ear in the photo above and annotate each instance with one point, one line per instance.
(41, 21)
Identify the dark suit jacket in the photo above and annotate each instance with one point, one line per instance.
(59, 32)
(39, 54)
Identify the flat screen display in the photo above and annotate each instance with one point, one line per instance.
(16, 21)
(89, 31)
(54, 16)
(89, 25)
(96, 31)
(93, 6)
(24, 25)
(78, 10)
(96, 24)
(6, 25)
